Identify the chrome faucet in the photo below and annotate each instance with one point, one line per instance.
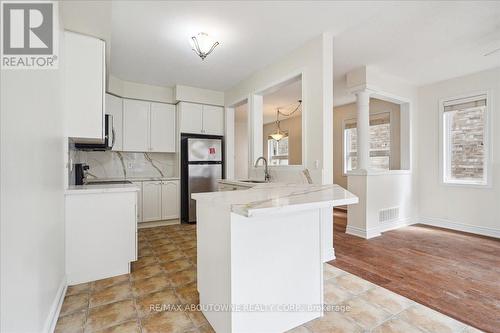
(266, 170)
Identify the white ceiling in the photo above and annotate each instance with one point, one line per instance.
(420, 42)
(423, 43)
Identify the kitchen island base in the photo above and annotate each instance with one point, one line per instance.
(261, 253)
(259, 274)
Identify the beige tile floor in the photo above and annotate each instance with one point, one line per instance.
(166, 274)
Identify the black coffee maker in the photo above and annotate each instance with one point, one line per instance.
(80, 172)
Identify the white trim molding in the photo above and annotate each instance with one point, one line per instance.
(396, 224)
(55, 308)
(444, 151)
(383, 227)
(447, 224)
(363, 233)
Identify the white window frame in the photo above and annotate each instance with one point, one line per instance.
(487, 179)
(344, 147)
(269, 157)
(344, 140)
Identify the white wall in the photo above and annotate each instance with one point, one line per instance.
(315, 60)
(142, 91)
(198, 95)
(172, 95)
(241, 162)
(466, 208)
(31, 199)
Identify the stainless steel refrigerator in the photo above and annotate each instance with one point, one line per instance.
(202, 167)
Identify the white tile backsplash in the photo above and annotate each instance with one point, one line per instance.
(107, 164)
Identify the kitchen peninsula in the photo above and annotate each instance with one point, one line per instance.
(260, 254)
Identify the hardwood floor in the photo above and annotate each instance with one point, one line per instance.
(455, 273)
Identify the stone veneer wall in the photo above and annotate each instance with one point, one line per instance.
(467, 149)
(380, 146)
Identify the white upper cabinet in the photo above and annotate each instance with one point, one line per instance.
(148, 126)
(213, 120)
(114, 107)
(201, 119)
(84, 86)
(136, 125)
(191, 117)
(170, 199)
(162, 129)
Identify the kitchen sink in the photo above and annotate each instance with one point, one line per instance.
(252, 181)
(108, 182)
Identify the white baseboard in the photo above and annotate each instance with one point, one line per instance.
(360, 232)
(55, 308)
(443, 223)
(377, 231)
(329, 256)
(399, 223)
(152, 224)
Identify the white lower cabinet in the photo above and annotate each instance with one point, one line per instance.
(151, 201)
(100, 229)
(170, 200)
(160, 200)
(139, 201)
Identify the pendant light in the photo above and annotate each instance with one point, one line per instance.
(279, 134)
(203, 45)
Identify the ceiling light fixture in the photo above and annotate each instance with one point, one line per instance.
(203, 45)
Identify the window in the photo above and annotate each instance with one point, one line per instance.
(464, 151)
(277, 151)
(380, 142)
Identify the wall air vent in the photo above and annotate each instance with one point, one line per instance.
(388, 214)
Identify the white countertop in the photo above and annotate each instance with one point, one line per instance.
(277, 197)
(101, 188)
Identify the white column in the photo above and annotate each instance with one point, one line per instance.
(229, 142)
(363, 129)
(256, 109)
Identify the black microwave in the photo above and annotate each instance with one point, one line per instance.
(109, 137)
